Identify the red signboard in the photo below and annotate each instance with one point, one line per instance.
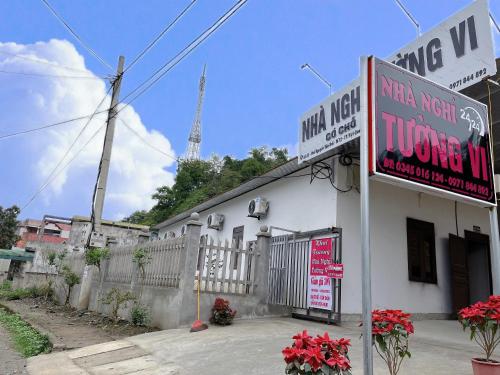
(429, 137)
(335, 271)
(321, 256)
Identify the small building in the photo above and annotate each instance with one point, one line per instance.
(417, 263)
(50, 232)
(115, 233)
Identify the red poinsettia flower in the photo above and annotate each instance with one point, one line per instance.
(339, 361)
(291, 354)
(314, 357)
(302, 340)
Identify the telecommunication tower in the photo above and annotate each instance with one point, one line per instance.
(193, 149)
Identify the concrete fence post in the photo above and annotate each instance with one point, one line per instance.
(188, 264)
(263, 252)
(85, 288)
(102, 277)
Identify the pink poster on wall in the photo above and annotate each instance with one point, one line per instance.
(319, 294)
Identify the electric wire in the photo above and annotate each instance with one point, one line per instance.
(159, 36)
(145, 141)
(3, 136)
(160, 72)
(64, 166)
(68, 150)
(42, 62)
(49, 75)
(78, 38)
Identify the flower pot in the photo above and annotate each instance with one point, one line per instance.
(481, 367)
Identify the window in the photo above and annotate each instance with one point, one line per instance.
(237, 243)
(421, 251)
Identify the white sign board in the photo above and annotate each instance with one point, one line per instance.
(330, 124)
(457, 53)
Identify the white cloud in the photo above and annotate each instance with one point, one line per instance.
(136, 169)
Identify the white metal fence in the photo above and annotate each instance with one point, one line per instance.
(226, 269)
(161, 269)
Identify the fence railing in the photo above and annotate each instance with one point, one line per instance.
(161, 269)
(226, 269)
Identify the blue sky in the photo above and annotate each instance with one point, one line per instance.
(255, 89)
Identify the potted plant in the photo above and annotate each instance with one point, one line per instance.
(222, 314)
(391, 330)
(482, 319)
(320, 355)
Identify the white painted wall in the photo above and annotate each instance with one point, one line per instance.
(298, 205)
(294, 204)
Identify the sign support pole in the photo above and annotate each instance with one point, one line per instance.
(495, 250)
(365, 226)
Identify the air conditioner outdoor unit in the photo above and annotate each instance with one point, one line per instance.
(215, 221)
(258, 207)
(183, 230)
(170, 234)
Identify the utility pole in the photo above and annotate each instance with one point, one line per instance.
(102, 177)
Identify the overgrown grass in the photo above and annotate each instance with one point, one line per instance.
(27, 340)
(21, 293)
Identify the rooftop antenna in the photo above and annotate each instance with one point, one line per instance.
(319, 76)
(409, 16)
(495, 23)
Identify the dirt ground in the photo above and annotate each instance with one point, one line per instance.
(11, 361)
(68, 328)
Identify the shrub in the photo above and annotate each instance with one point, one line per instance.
(222, 314)
(70, 279)
(94, 256)
(320, 355)
(140, 315)
(142, 258)
(117, 299)
(28, 341)
(6, 285)
(482, 319)
(390, 331)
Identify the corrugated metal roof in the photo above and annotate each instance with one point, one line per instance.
(16, 254)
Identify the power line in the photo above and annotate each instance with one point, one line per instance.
(42, 62)
(49, 181)
(182, 54)
(160, 35)
(73, 32)
(49, 125)
(48, 75)
(51, 174)
(146, 142)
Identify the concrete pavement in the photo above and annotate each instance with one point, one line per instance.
(251, 347)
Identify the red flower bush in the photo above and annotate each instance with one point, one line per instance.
(222, 314)
(390, 331)
(483, 318)
(320, 355)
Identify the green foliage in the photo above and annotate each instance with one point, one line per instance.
(6, 285)
(70, 279)
(95, 256)
(140, 315)
(142, 258)
(8, 225)
(199, 180)
(51, 258)
(28, 341)
(117, 299)
(22, 293)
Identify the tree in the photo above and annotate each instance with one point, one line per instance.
(95, 256)
(71, 279)
(8, 225)
(199, 180)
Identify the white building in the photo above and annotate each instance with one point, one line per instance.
(411, 265)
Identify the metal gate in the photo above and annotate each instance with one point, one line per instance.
(289, 271)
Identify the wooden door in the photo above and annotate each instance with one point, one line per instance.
(459, 272)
